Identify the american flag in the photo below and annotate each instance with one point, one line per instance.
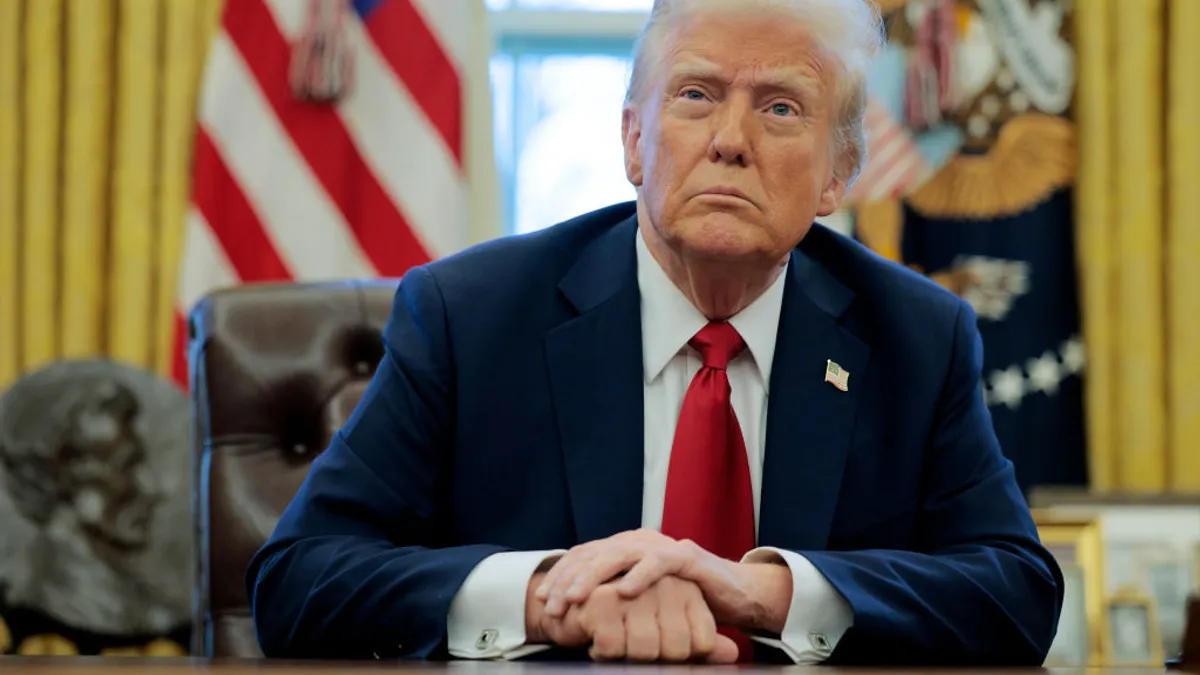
(366, 185)
(895, 165)
(837, 376)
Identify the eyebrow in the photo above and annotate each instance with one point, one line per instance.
(769, 79)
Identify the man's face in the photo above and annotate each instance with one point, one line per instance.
(731, 144)
(113, 489)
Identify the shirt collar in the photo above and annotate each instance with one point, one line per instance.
(669, 319)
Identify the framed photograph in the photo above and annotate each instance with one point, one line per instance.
(1077, 545)
(1133, 637)
(1151, 544)
(1168, 580)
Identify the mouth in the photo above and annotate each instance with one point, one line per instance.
(723, 191)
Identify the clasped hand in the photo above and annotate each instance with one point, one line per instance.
(642, 596)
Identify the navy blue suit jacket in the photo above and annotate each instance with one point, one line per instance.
(507, 415)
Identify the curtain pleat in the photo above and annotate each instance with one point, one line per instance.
(11, 43)
(1183, 243)
(88, 120)
(1093, 231)
(1138, 236)
(1141, 396)
(182, 62)
(97, 117)
(135, 182)
(41, 160)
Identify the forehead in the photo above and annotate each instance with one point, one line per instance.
(741, 45)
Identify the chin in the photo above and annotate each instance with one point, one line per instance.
(723, 235)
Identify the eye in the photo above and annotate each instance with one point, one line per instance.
(782, 109)
(694, 95)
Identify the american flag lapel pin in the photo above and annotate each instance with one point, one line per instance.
(837, 376)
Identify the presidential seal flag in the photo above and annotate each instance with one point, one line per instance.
(994, 80)
(329, 144)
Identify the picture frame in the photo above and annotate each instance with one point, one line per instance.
(1167, 578)
(1151, 543)
(1077, 545)
(1131, 629)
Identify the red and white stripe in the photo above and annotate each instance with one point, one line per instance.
(286, 190)
(894, 166)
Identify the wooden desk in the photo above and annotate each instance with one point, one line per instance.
(142, 666)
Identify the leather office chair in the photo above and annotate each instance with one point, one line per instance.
(275, 371)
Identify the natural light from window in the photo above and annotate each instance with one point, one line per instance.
(558, 119)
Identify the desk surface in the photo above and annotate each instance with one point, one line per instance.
(141, 666)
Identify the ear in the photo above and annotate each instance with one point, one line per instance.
(831, 196)
(631, 134)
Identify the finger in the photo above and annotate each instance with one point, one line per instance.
(703, 627)
(642, 630)
(647, 572)
(725, 651)
(568, 559)
(555, 606)
(569, 631)
(599, 570)
(674, 624)
(608, 638)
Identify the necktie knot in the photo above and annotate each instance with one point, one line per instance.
(718, 343)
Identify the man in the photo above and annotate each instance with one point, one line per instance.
(660, 429)
(94, 535)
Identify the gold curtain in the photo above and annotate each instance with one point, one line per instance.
(97, 106)
(1138, 225)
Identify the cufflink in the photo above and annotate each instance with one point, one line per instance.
(486, 639)
(819, 642)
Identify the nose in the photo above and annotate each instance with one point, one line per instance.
(731, 142)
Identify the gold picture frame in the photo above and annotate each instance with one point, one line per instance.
(1077, 541)
(1132, 607)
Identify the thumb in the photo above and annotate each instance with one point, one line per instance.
(726, 651)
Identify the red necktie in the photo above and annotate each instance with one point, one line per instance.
(709, 499)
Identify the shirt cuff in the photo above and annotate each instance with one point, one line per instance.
(487, 614)
(818, 616)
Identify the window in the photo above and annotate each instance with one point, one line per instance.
(558, 81)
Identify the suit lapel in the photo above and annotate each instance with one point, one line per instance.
(810, 423)
(595, 364)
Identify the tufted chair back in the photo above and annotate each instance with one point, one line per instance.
(275, 371)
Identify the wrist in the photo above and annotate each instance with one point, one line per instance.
(770, 591)
(535, 630)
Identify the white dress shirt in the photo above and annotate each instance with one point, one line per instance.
(487, 615)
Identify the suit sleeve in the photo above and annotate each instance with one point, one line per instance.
(357, 566)
(980, 589)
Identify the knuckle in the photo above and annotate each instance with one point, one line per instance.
(604, 595)
(608, 646)
(675, 652)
